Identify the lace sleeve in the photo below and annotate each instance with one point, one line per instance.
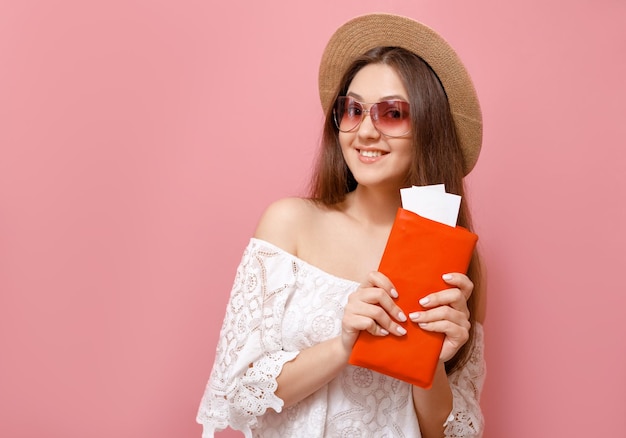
(467, 384)
(249, 353)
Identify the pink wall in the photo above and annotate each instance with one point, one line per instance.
(130, 181)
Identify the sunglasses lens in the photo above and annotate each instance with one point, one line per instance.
(348, 113)
(392, 117)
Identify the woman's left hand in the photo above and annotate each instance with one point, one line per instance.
(447, 313)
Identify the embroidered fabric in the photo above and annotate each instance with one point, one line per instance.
(280, 305)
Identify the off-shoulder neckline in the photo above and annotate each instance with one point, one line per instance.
(302, 262)
(315, 268)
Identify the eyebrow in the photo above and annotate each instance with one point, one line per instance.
(391, 97)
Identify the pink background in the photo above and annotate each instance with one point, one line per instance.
(141, 140)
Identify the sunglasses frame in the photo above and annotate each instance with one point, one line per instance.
(373, 114)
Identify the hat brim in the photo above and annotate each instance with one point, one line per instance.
(366, 32)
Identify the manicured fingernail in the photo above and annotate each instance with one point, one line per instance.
(423, 324)
(401, 330)
(394, 293)
(447, 277)
(401, 316)
(414, 316)
(384, 332)
(424, 301)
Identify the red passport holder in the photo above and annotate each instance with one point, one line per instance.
(418, 252)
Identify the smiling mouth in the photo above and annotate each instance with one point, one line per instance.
(371, 154)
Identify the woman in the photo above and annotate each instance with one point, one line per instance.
(308, 283)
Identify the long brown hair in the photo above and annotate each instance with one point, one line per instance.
(438, 157)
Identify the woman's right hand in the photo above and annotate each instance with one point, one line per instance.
(371, 307)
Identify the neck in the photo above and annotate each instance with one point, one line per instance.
(374, 207)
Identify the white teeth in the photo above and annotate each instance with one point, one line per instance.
(370, 154)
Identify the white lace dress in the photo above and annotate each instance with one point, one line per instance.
(280, 305)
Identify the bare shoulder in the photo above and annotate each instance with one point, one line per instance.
(284, 221)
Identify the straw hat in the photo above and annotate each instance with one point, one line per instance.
(366, 32)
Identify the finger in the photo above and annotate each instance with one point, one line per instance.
(373, 317)
(360, 323)
(378, 279)
(379, 297)
(454, 333)
(448, 297)
(447, 327)
(460, 281)
(442, 313)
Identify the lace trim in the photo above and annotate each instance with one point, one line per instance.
(467, 384)
(249, 354)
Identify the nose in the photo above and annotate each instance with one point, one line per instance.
(366, 127)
